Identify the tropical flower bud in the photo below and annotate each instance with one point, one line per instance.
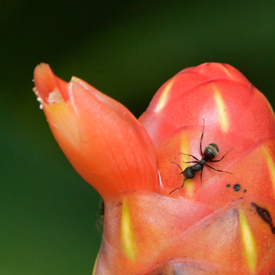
(190, 187)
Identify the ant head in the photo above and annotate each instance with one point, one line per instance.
(211, 151)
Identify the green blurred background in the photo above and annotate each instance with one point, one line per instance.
(125, 49)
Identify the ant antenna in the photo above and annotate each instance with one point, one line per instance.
(202, 137)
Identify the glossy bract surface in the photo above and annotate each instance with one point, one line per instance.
(218, 222)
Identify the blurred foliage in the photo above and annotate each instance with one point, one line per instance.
(125, 49)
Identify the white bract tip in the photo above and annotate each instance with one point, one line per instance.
(55, 97)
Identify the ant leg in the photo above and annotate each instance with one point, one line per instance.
(217, 160)
(178, 187)
(177, 165)
(218, 169)
(201, 138)
(190, 156)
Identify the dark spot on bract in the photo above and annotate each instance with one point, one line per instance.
(237, 187)
(118, 204)
(244, 190)
(264, 214)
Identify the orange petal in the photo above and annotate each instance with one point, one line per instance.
(104, 142)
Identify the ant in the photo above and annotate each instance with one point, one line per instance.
(209, 153)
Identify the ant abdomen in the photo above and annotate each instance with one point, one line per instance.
(211, 151)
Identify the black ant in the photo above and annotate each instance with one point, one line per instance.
(210, 152)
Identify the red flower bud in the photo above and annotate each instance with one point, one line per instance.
(217, 216)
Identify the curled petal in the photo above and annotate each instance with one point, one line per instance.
(104, 142)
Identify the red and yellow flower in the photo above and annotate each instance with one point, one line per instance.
(221, 224)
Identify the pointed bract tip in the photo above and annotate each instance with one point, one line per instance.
(49, 88)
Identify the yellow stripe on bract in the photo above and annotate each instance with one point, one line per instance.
(189, 184)
(248, 242)
(64, 119)
(163, 97)
(271, 166)
(224, 122)
(127, 236)
(189, 187)
(94, 270)
(224, 69)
